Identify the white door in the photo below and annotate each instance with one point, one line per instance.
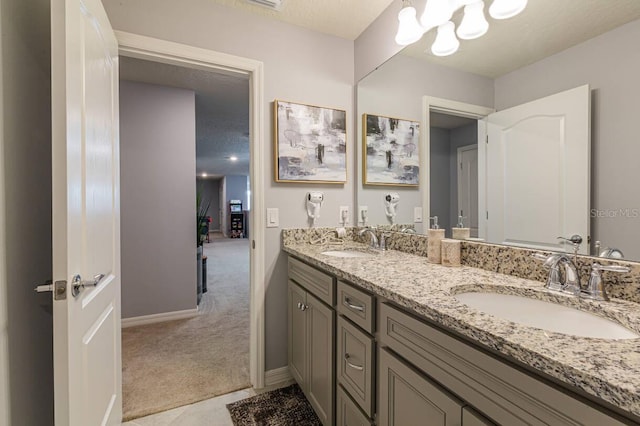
(538, 171)
(86, 228)
(468, 186)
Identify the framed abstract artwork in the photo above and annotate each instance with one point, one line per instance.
(390, 151)
(310, 143)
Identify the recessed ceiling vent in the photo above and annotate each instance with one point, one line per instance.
(271, 4)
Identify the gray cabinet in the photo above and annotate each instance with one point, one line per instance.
(407, 397)
(355, 367)
(347, 411)
(311, 336)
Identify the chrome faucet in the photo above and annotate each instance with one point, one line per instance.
(374, 239)
(596, 289)
(567, 283)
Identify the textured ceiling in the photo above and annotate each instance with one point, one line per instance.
(222, 112)
(545, 27)
(342, 18)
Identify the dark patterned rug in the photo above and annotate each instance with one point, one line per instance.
(281, 407)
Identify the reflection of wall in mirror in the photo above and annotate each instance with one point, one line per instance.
(610, 64)
(396, 89)
(397, 86)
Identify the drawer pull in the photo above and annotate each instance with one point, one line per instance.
(355, 367)
(348, 304)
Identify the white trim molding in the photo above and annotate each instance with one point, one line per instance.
(141, 47)
(277, 376)
(444, 106)
(154, 318)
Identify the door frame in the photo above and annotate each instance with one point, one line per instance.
(152, 49)
(460, 109)
(459, 151)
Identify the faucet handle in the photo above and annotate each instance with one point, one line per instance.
(596, 289)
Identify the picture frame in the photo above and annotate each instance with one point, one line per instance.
(390, 151)
(310, 143)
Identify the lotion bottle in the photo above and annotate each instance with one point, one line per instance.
(460, 232)
(434, 238)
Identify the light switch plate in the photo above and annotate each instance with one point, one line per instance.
(417, 214)
(363, 214)
(343, 217)
(273, 220)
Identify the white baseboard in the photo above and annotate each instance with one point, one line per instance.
(166, 316)
(278, 375)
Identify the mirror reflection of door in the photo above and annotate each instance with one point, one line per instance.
(468, 187)
(537, 172)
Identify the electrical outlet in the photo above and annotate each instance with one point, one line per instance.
(363, 214)
(344, 215)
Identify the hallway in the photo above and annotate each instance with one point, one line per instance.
(174, 363)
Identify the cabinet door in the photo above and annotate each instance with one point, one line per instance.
(408, 398)
(354, 364)
(471, 417)
(321, 352)
(297, 334)
(347, 412)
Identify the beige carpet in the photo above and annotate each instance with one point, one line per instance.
(174, 363)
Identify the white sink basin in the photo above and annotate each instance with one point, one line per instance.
(545, 315)
(346, 253)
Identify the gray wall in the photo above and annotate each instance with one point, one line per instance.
(376, 44)
(158, 199)
(296, 69)
(237, 190)
(26, 364)
(396, 89)
(210, 189)
(610, 64)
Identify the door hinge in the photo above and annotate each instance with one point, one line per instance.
(487, 139)
(487, 214)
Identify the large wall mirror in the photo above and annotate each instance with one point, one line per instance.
(533, 184)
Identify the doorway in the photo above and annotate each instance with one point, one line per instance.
(444, 192)
(132, 46)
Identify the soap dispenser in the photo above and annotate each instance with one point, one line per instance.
(434, 239)
(460, 232)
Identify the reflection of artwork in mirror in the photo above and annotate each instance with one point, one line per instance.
(310, 143)
(390, 151)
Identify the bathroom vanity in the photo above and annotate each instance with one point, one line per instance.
(383, 340)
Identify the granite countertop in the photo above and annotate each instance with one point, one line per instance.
(607, 369)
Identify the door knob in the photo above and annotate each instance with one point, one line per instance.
(78, 283)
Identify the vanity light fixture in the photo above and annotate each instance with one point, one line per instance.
(438, 14)
(233, 158)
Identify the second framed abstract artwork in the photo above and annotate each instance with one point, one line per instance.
(310, 143)
(390, 151)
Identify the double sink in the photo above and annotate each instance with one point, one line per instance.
(528, 310)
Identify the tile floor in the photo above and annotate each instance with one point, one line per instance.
(210, 412)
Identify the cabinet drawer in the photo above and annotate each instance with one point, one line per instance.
(356, 305)
(502, 392)
(347, 412)
(313, 280)
(355, 364)
(409, 398)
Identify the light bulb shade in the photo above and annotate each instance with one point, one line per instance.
(436, 13)
(446, 42)
(505, 9)
(473, 24)
(409, 30)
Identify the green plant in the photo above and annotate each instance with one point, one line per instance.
(202, 209)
